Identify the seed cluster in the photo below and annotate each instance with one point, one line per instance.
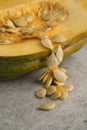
(54, 79)
(20, 25)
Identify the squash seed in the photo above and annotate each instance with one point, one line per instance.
(11, 30)
(28, 18)
(59, 38)
(68, 87)
(43, 75)
(51, 90)
(41, 92)
(46, 28)
(9, 24)
(47, 43)
(2, 29)
(48, 82)
(20, 22)
(47, 106)
(52, 23)
(6, 42)
(59, 54)
(52, 61)
(27, 36)
(64, 94)
(45, 78)
(59, 75)
(55, 95)
(58, 83)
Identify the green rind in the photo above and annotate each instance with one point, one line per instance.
(15, 67)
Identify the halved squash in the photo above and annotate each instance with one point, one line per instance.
(23, 56)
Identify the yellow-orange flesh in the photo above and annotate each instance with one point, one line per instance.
(73, 26)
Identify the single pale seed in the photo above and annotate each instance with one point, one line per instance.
(51, 90)
(11, 30)
(47, 106)
(47, 43)
(43, 75)
(68, 87)
(59, 38)
(27, 36)
(24, 30)
(48, 82)
(58, 83)
(6, 42)
(52, 61)
(59, 54)
(64, 94)
(9, 24)
(40, 35)
(45, 78)
(28, 18)
(59, 75)
(55, 95)
(20, 22)
(2, 29)
(46, 28)
(52, 23)
(41, 92)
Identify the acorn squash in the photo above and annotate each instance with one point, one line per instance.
(24, 54)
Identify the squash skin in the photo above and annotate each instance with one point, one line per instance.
(15, 67)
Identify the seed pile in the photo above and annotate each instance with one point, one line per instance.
(54, 79)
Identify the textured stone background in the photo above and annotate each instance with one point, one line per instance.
(18, 103)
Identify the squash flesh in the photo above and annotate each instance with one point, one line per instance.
(75, 25)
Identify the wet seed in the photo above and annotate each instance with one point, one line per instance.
(9, 24)
(27, 36)
(52, 23)
(11, 30)
(47, 106)
(46, 28)
(28, 18)
(2, 29)
(20, 22)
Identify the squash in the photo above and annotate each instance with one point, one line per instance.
(22, 56)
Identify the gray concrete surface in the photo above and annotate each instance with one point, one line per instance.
(18, 103)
